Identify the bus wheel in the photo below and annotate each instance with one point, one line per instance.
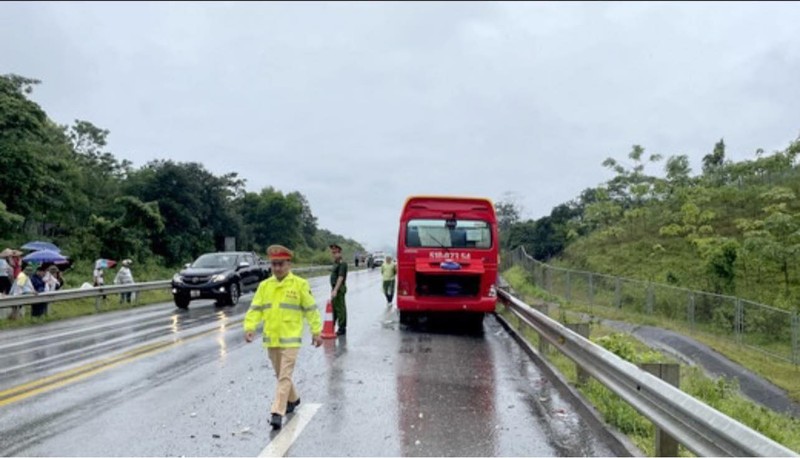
(475, 322)
(407, 318)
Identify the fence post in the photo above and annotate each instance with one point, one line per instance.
(548, 276)
(691, 310)
(583, 330)
(795, 338)
(738, 319)
(591, 290)
(617, 293)
(649, 299)
(568, 294)
(666, 445)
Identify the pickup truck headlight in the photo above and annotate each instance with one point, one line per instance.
(219, 277)
(177, 278)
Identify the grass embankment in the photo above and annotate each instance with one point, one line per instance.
(721, 394)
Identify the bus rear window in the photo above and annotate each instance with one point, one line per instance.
(435, 233)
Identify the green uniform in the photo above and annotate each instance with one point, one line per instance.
(388, 271)
(339, 307)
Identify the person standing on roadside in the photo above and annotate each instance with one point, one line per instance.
(54, 280)
(281, 302)
(388, 272)
(6, 272)
(39, 286)
(22, 285)
(339, 288)
(124, 277)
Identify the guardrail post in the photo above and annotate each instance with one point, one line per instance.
(690, 312)
(97, 303)
(617, 293)
(649, 299)
(583, 330)
(666, 445)
(591, 290)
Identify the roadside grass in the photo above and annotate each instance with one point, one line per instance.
(720, 393)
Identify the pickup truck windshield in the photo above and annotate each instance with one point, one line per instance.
(210, 261)
(434, 233)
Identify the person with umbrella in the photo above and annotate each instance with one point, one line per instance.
(99, 267)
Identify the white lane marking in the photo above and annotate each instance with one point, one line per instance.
(291, 431)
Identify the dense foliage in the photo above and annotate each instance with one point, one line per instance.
(59, 183)
(733, 229)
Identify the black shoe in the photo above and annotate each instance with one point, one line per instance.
(292, 405)
(341, 332)
(277, 421)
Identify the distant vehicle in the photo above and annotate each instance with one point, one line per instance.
(377, 258)
(447, 257)
(223, 276)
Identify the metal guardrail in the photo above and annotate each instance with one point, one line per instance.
(700, 428)
(72, 294)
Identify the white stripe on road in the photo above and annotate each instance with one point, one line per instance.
(290, 431)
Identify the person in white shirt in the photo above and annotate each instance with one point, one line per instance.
(124, 277)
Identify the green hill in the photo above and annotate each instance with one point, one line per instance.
(733, 229)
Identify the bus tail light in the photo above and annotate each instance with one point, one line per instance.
(402, 289)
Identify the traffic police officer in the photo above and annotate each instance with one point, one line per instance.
(338, 289)
(281, 302)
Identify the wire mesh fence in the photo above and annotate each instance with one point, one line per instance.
(770, 330)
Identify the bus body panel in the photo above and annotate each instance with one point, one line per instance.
(447, 255)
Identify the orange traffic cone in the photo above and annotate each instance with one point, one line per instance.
(327, 327)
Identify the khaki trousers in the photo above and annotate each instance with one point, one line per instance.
(283, 360)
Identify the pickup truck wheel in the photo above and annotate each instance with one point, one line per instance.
(181, 302)
(233, 294)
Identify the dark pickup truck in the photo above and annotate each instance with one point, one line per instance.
(223, 276)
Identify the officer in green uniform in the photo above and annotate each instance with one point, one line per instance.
(339, 288)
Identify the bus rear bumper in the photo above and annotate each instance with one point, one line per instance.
(446, 304)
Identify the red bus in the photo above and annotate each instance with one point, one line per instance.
(447, 257)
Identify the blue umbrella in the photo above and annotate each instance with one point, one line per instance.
(44, 256)
(38, 246)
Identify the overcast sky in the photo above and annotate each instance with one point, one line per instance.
(359, 105)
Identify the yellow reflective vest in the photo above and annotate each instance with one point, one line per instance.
(282, 305)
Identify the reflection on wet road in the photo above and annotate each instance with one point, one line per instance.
(384, 390)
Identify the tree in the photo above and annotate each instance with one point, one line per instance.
(713, 163)
(308, 221)
(777, 236)
(678, 170)
(508, 213)
(195, 206)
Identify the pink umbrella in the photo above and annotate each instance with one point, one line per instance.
(103, 263)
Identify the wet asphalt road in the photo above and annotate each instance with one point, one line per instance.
(157, 381)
